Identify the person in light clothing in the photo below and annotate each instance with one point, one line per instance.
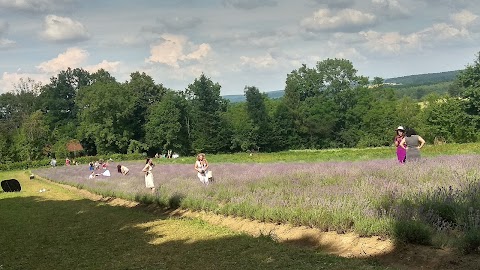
(201, 166)
(122, 169)
(148, 175)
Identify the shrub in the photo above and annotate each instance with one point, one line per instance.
(412, 232)
(470, 242)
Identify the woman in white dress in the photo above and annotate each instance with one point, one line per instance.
(201, 166)
(148, 175)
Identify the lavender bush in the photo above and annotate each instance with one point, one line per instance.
(369, 197)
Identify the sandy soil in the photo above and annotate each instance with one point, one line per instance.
(347, 245)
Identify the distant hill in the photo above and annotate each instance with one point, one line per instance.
(401, 82)
(424, 79)
(241, 98)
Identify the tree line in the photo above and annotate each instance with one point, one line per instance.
(325, 106)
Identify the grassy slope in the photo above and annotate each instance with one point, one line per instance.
(341, 154)
(59, 229)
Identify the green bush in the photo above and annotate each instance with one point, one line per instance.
(412, 232)
(470, 242)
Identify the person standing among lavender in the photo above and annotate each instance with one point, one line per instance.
(412, 143)
(201, 166)
(148, 175)
(401, 152)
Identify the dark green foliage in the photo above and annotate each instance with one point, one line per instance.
(207, 125)
(166, 127)
(446, 120)
(260, 134)
(470, 76)
(175, 201)
(471, 241)
(57, 99)
(421, 91)
(145, 93)
(105, 113)
(412, 232)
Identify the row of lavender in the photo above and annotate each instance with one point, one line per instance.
(377, 197)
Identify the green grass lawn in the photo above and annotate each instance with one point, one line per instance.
(59, 229)
(337, 154)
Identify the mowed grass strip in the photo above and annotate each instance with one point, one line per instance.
(335, 154)
(59, 229)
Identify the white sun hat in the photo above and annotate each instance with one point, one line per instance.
(400, 128)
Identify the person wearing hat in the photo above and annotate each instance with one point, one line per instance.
(401, 151)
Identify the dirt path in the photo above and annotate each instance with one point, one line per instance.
(345, 245)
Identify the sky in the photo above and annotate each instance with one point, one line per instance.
(236, 43)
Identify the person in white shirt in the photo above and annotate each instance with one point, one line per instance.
(201, 166)
(122, 169)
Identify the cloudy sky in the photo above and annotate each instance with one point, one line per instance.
(234, 42)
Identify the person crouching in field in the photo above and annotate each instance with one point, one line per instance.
(148, 175)
(122, 169)
(201, 166)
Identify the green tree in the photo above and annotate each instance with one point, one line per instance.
(320, 117)
(238, 119)
(105, 111)
(338, 74)
(446, 120)
(378, 81)
(145, 93)
(57, 98)
(469, 80)
(165, 128)
(208, 128)
(32, 137)
(261, 131)
(470, 76)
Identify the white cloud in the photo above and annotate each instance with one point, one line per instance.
(443, 32)
(34, 5)
(391, 8)
(266, 61)
(64, 29)
(336, 3)
(9, 80)
(262, 39)
(464, 18)
(172, 25)
(3, 27)
(4, 42)
(396, 43)
(346, 20)
(249, 4)
(72, 58)
(392, 42)
(351, 54)
(106, 65)
(75, 58)
(174, 49)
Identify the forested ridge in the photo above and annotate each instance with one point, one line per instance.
(415, 86)
(325, 106)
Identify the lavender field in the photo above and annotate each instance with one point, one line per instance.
(437, 194)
